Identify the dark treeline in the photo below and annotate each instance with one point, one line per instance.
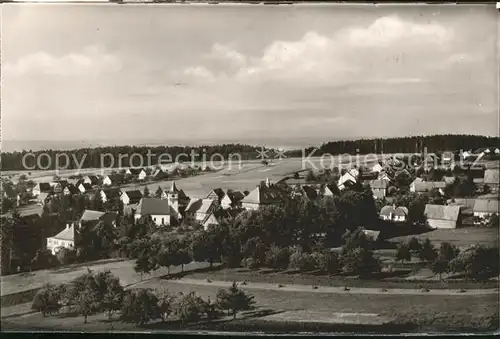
(110, 156)
(131, 156)
(414, 144)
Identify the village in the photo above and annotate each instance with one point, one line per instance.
(140, 213)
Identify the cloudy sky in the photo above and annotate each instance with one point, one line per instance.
(217, 73)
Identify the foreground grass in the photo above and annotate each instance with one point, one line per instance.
(424, 313)
(312, 278)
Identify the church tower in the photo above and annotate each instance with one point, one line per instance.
(173, 199)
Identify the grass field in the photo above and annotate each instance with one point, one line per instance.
(404, 279)
(433, 311)
(461, 237)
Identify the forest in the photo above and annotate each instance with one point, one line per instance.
(91, 157)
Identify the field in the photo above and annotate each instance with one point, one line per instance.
(461, 237)
(436, 313)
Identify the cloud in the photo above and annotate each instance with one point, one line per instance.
(315, 57)
(199, 72)
(388, 30)
(91, 60)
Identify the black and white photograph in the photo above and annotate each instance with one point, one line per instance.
(250, 168)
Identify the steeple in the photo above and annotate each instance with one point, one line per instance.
(173, 188)
(268, 183)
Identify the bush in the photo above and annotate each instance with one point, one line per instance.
(47, 300)
(234, 299)
(301, 260)
(278, 258)
(66, 256)
(250, 263)
(191, 308)
(360, 261)
(140, 306)
(328, 262)
(414, 245)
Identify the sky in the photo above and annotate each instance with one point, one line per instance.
(264, 74)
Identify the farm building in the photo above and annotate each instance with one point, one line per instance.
(232, 199)
(217, 194)
(138, 173)
(158, 209)
(419, 186)
(91, 180)
(393, 213)
(42, 187)
(485, 207)
(349, 176)
(107, 181)
(84, 187)
(131, 197)
(95, 216)
(379, 188)
(264, 194)
(491, 179)
(199, 210)
(440, 216)
(70, 190)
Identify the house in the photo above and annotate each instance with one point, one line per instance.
(199, 210)
(131, 197)
(211, 220)
(159, 174)
(91, 180)
(328, 190)
(491, 179)
(467, 204)
(379, 188)
(106, 181)
(420, 186)
(43, 198)
(485, 207)
(70, 190)
(349, 176)
(216, 194)
(84, 187)
(305, 191)
(393, 213)
(447, 158)
(264, 194)
(42, 187)
(384, 176)
(139, 173)
(63, 239)
(96, 216)
(377, 168)
(109, 194)
(441, 216)
(232, 199)
(158, 209)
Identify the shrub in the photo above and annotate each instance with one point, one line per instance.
(191, 308)
(328, 262)
(278, 258)
(140, 306)
(47, 300)
(66, 256)
(250, 263)
(301, 260)
(234, 299)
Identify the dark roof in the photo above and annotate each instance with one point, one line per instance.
(112, 192)
(134, 194)
(135, 171)
(199, 205)
(44, 187)
(219, 192)
(153, 206)
(72, 188)
(235, 196)
(310, 191)
(264, 195)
